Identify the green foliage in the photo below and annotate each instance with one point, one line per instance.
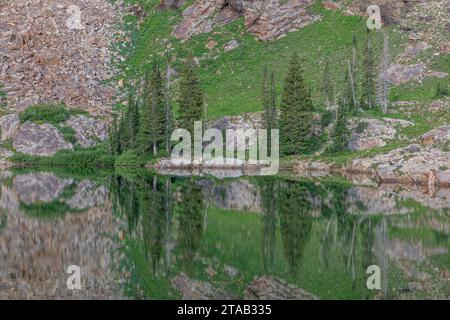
(326, 119)
(190, 102)
(68, 133)
(54, 114)
(296, 112)
(361, 127)
(114, 137)
(3, 101)
(269, 100)
(442, 91)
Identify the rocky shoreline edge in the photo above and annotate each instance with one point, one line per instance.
(411, 165)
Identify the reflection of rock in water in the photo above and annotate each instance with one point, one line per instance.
(239, 195)
(399, 249)
(87, 195)
(39, 187)
(35, 253)
(369, 200)
(271, 288)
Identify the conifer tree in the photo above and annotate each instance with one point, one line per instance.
(190, 96)
(296, 112)
(341, 134)
(114, 143)
(152, 124)
(347, 99)
(369, 74)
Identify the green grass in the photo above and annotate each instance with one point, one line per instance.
(54, 114)
(95, 157)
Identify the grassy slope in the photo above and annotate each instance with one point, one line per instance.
(232, 80)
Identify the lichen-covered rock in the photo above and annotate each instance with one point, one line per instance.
(88, 131)
(39, 139)
(398, 74)
(436, 135)
(271, 288)
(412, 164)
(369, 133)
(9, 125)
(5, 153)
(267, 20)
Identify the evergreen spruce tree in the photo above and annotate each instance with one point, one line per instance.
(348, 103)
(296, 112)
(114, 143)
(190, 97)
(133, 122)
(341, 134)
(369, 74)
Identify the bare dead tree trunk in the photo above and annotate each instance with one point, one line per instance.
(350, 72)
(383, 79)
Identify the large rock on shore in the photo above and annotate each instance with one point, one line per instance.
(39, 139)
(413, 164)
(441, 134)
(88, 130)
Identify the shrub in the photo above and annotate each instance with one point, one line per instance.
(326, 119)
(54, 114)
(442, 91)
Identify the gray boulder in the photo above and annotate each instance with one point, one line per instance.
(41, 140)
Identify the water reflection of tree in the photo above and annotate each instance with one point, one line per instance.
(190, 210)
(294, 208)
(351, 231)
(267, 187)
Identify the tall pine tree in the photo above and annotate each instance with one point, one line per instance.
(114, 142)
(190, 99)
(296, 112)
(341, 134)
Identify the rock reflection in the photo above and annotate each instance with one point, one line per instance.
(41, 236)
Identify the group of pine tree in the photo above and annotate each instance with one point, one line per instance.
(146, 125)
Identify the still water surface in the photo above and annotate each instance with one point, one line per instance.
(141, 236)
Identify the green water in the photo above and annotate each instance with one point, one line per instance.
(141, 236)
